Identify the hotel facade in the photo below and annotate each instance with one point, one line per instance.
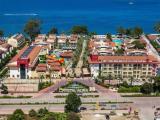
(139, 67)
(137, 63)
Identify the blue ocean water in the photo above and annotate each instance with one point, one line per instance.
(101, 16)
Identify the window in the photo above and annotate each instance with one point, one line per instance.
(13, 76)
(17, 76)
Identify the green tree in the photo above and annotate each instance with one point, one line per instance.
(147, 88)
(125, 84)
(53, 31)
(79, 30)
(121, 30)
(156, 84)
(110, 78)
(109, 36)
(49, 116)
(32, 28)
(1, 33)
(32, 113)
(128, 31)
(138, 44)
(137, 31)
(131, 80)
(17, 115)
(119, 51)
(72, 116)
(42, 112)
(4, 89)
(92, 33)
(73, 102)
(157, 27)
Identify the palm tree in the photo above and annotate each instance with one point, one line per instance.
(110, 78)
(1, 33)
(109, 36)
(150, 79)
(131, 80)
(157, 27)
(120, 78)
(41, 78)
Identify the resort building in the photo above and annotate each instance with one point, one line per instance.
(73, 39)
(40, 38)
(139, 67)
(52, 39)
(67, 55)
(120, 57)
(24, 63)
(5, 49)
(17, 40)
(62, 40)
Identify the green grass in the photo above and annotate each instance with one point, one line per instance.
(155, 44)
(44, 85)
(4, 97)
(133, 89)
(83, 96)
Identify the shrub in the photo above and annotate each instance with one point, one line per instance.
(17, 115)
(112, 113)
(32, 113)
(147, 88)
(42, 112)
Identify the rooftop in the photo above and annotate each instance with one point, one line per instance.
(123, 59)
(26, 53)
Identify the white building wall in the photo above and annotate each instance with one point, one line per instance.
(14, 72)
(13, 42)
(94, 70)
(29, 72)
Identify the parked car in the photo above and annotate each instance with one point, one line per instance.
(83, 108)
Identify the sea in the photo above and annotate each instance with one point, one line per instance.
(101, 16)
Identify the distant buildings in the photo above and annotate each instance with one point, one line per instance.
(17, 40)
(5, 49)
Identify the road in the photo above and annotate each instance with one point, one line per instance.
(8, 109)
(145, 105)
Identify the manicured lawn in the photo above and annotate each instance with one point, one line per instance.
(133, 89)
(6, 96)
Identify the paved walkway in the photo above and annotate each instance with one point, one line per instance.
(78, 69)
(150, 48)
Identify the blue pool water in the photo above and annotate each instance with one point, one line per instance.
(118, 41)
(101, 16)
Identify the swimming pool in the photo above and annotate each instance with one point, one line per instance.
(118, 42)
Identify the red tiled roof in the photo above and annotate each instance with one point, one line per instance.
(55, 64)
(33, 54)
(56, 68)
(152, 37)
(42, 65)
(15, 58)
(66, 54)
(41, 69)
(6, 45)
(124, 59)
